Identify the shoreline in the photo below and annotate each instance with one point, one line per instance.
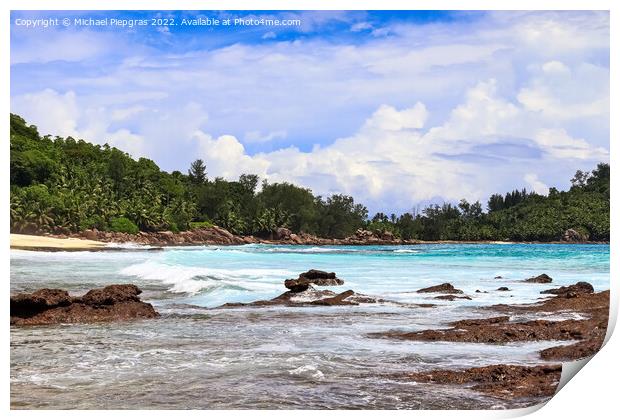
(93, 240)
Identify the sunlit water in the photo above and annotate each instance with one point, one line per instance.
(201, 357)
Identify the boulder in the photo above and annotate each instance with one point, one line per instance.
(54, 306)
(580, 287)
(110, 295)
(441, 288)
(27, 304)
(283, 233)
(91, 234)
(503, 289)
(543, 278)
(572, 235)
(316, 277)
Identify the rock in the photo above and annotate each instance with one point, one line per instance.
(543, 278)
(54, 306)
(500, 381)
(498, 277)
(283, 233)
(336, 300)
(316, 277)
(503, 289)
(572, 290)
(571, 235)
(441, 288)
(91, 234)
(296, 239)
(451, 297)
(110, 295)
(28, 304)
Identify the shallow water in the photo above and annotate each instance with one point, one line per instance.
(200, 357)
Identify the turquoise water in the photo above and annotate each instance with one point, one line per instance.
(201, 357)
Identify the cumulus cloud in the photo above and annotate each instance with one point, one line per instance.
(440, 111)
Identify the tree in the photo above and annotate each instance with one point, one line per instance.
(197, 172)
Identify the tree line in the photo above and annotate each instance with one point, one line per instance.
(63, 185)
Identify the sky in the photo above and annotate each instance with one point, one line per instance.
(398, 109)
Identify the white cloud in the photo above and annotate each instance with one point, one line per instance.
(389, 119)
(560, 145)
(258, 137)
(449, 109)
(535, 184)
(61, 114)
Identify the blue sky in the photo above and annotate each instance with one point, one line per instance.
(394, 108)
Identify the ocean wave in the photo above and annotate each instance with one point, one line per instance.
(193, 280)
(406, 251)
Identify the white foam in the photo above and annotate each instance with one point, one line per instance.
(195, 279)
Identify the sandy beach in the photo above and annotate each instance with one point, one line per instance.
(44, 243)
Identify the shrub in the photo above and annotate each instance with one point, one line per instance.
(124, 225)
(200, 225)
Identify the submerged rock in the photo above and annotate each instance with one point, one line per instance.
(441, 288)
(117, 302)
(543, 278)
(451, 297)
(500, 381)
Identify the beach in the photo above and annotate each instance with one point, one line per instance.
(45, 243)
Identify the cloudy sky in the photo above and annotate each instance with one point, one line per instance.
(396, 109)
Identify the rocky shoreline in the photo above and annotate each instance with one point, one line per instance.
(216, 235)
(584, 327)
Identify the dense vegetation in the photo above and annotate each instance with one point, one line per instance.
(67, 185)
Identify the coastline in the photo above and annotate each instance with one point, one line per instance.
(94, 240)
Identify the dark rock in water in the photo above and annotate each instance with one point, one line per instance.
(28, 304)
(500, 381)
(503, 289)
(498, 277)
(316, 277)
(339, 299)
(451, 297)
(543, 278)
(573, 289)
(110, 295)
(53, 306)
(441, 288)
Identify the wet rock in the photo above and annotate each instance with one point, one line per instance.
(451, 297)
(110, 295)
(498, 277)
(543, 278)
(572, 290)
(503, 289)
(500, 381)
(316, 277)
(54, 306)
(28, 304)
(441, 288)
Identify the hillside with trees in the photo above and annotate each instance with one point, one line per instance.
(63, 185)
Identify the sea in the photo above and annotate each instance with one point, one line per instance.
(199, 356)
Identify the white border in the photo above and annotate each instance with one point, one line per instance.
(592, 395)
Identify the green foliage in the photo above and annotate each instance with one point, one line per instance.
(200, 225)
(124, 225)
(68, 185)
